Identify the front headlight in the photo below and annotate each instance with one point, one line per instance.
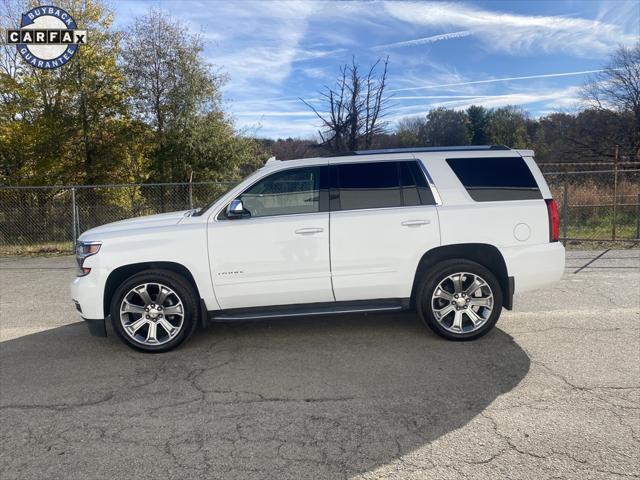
(84, 250)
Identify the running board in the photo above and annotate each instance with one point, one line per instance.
(309, 309)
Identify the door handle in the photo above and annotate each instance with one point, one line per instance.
(415, 223)
(309, 231)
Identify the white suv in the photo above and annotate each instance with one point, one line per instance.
(450, 232)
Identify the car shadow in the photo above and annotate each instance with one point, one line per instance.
(325, 397)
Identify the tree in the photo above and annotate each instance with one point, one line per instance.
(508, 126)
(355, 108)
(290, 148)
(100, 95)
(411, 132)
(67, 119)
(446, 127)
(171, 86)
(211, 150)
(617, 88)
(478, 120)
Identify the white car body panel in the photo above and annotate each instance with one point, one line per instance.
(263, 261)
(183, 243)
(373, 255)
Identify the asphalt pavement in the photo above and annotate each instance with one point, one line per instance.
(552, 392)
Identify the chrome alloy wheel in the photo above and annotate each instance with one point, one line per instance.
(462, 302)
(151, 314)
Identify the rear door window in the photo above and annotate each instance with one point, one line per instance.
(366, 185)
(496, 179)
(356, 186)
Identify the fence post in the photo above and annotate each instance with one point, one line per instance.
(73, 216)
(615, 194)
(191, 191)
(565, 209)
(638, 217)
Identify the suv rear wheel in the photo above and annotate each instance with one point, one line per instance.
(154, 311)
(460, 300)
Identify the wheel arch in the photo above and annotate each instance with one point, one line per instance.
(120, 274)
(484, 254)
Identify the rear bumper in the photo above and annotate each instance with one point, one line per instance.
(535, 266)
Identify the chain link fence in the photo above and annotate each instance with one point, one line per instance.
(594, 205)
(597, 205)
(49, 219)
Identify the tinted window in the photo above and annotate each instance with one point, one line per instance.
(366, 185)
(415, 190)
(378, 185)
(298, 190)
(410, 194)
(496, 179)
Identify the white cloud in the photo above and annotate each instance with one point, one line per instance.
(424, 41)
(513, 33)
(551, 100)
(276, 113)
(496, 80)
(315, 72)
(276, 128)
(261, 40)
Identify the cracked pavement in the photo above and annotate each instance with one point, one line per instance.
(552, 392)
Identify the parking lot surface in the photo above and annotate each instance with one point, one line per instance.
(552, 392)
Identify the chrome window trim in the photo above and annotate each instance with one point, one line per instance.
(432, 185)
(402, 207)
(247, 219)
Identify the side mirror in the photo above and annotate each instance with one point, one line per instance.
(236, 210)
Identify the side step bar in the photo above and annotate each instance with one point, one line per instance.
(309, 309)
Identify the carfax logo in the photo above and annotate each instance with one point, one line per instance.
(48, 37)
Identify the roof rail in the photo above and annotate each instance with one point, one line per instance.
(467, 148)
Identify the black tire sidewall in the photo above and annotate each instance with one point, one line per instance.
(179, 285)
(431, 281)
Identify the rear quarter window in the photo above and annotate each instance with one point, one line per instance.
(496, 179)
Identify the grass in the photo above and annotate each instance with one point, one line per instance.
(37, 249)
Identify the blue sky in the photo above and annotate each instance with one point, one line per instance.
(440, 54)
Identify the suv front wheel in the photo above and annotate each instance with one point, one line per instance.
(460, 300)
(154, 310)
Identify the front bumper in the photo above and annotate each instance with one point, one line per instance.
(87, 295)
(97, 328)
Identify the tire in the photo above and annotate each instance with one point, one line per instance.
(451, 309)
(142, 318)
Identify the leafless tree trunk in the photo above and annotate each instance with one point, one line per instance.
(355, 108)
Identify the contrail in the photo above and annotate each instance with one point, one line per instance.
(494, 80)
(423, 41)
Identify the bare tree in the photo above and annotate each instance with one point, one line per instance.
(10, 14)
(617, 88)
(354, 108)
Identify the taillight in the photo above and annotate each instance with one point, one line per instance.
(554, 220)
